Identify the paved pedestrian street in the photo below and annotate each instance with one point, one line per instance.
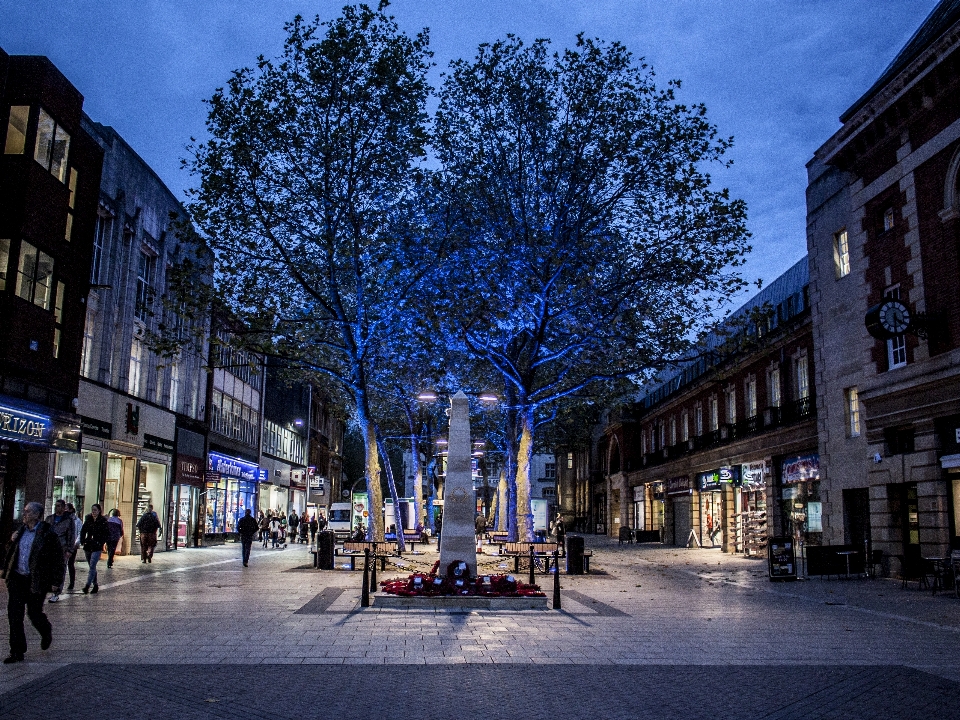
(653, 633)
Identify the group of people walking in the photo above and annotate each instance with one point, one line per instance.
(274, 528)
(41, 552)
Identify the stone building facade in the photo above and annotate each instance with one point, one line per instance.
(721, 451)
(884, 247)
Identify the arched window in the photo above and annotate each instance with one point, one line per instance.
(951, 190)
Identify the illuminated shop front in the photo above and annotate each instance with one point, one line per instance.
(801, 507)
(716, 493)
(231, 487)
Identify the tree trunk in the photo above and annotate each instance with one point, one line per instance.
(524, 454)
(372, 459)
(397, 516)
(502, 492)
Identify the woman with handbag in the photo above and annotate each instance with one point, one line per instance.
(93, 536)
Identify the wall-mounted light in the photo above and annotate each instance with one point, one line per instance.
(298, 423)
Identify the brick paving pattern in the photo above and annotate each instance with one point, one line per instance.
(658, 632)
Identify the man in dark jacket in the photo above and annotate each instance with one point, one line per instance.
(247, 527)
(34, 566)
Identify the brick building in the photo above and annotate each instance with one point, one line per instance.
(49, 179)
(722, 450)
(884, 240)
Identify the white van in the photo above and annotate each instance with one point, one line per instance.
(339, 519)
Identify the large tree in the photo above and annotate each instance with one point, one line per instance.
(308, 197)
(593, 244)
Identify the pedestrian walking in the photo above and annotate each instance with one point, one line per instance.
(276, 524)
(34, 566)
(265, 528)
(247, 527)
(260, 526)
(293, 522)
(480, 526)
(93, 536)
(115, 530)
(64, 525)
(560, 532)
(304, 528)
(315, 527)
(75, 547)
(149, 527)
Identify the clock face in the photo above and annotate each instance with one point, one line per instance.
(894, 317)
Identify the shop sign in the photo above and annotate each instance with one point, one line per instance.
(232, 467)
(317, 482)
(638, 493)
(23, 426)
(751, 475)
(96, 428)
(679, 486)
(152, 442)
(188, 470)
(714, 480)
(803, 468)
(298, 479)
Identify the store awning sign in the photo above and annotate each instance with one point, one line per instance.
(25, 427)
(232, 467)
(679, 486)
(803, 468)
(715, 479)
(92, 427)
(751, 475)
(157, 444)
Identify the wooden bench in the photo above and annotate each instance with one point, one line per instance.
(410, 541)
(354, 549)
(541, 550)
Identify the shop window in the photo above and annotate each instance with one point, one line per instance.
(17, 130)
(35, 276)
(4, 261)
(53, 146)
(841, 254)
(899, 441)
(853, 412)
(71, 204)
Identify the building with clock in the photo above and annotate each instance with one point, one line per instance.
(884, 250)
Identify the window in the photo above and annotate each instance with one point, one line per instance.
(899, 441)
(17, 130)
(144, 285)
(714, 413)
(100, 238)
(53, 146)
(750, 396)
(853, 412)
(174, 386)
(698, 419)
(570, 461)
(888, 219)
(731, 402)
(35, 276)
(86, 360)
(135, 380)
(684, 426)
(841, 254)
(803, 379)
(550, 471)
(4, 261)
(58, 318)
(71, 204)
(773, 380)
(897, 345)
(673, 430)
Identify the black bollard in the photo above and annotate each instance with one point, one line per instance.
(365, 590)
(556, 580)
(532, 580)
(373, 572)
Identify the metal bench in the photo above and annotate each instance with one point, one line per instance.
(354, 549)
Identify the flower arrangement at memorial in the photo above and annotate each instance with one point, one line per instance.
(458, 582)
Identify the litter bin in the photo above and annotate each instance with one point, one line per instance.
(325, 543)
(574, 555)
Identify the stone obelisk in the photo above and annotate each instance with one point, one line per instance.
(458, 535)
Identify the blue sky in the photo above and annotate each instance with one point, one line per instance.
(775, 74)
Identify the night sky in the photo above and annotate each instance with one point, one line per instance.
(775, 74)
